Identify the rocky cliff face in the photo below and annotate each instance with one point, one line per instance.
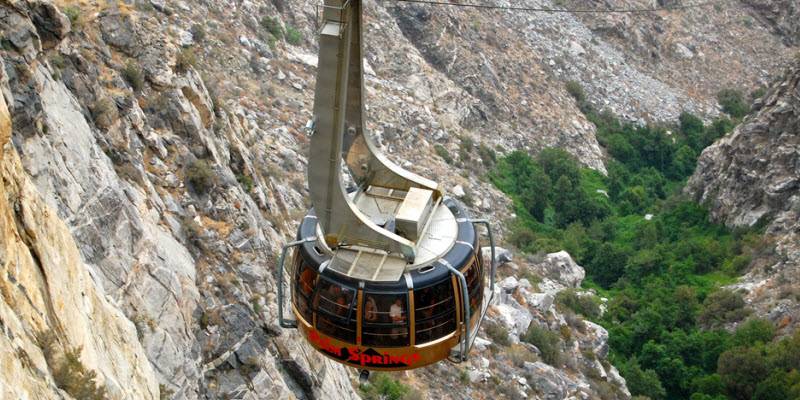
(166, 135)
(752, 177)
(187, 266)
(47, 294)
(783, 16)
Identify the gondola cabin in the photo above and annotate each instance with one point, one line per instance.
(387, 272)
(371, 310)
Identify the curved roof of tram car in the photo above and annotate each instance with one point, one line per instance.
(458, 255)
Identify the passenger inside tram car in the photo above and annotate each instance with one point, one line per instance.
(341, 304)
(397, 316)
(385, 320)
(370, 310)
(307, 280)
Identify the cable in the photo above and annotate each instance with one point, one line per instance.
(562, 10)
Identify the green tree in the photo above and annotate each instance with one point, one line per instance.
(718, 129)
(693, 129)
(607, 265)
(686, 306)
(741, 370)
(644, 262)
(642, 382)
(780, 385)
(622, 150)
(633, 200)
(754, 331)
(557, 163)
(786, 353)
(684, 163)
(519, 175)
(709, 385)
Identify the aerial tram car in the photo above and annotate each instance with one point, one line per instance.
(387, 273)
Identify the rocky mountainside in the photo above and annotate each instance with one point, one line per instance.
(752, 178)
(162, 229)
(164, 137)
(570, 360)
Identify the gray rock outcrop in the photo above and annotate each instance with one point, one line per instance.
(751, 178)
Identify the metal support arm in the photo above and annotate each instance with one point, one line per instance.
(286, 323)
(339, 134)
(492, 278)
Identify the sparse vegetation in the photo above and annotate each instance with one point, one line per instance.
(246, 181)
(134, 76)
(104, 112)
(185, 59)
(463, 376)
(69, 373)
(255, 301)
(722, 307)
(272, 42)
(510, 391)
(758, 93)
(57, 61)
(164, 393)
(576, 91)
(532, 278)
(200, 175)
(733, 103)
(383, 387)
(468, 198)
(273, 26)
(204, 320)
(547, 342)
(293, 36)
(441, 151)
(519, 355)
(73, 13)
(488, 155)
(497, 333)
(198, 33)
(584, 304)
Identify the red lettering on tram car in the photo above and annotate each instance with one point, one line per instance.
(363, 357)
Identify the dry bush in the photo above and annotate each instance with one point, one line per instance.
(185, 60)
(104, 112)
(134, 76)
(200, 175)
(519, 355)
(69, 373)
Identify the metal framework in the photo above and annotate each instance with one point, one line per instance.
(338, 132)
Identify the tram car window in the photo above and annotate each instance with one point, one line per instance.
(434, 311)
(305, 278)
(334, 305)
(385, 320)
(474, 275)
